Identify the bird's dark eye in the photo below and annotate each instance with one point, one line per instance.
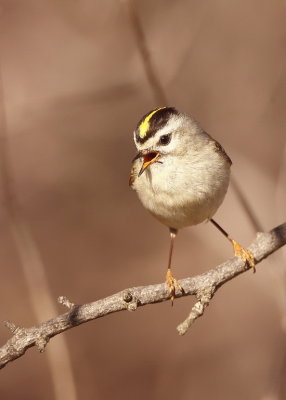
(165, 139)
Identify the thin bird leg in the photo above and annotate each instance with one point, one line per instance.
(173, 234)
(239, 251)
(171, 281)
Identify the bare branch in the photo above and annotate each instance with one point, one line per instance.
(203, 286)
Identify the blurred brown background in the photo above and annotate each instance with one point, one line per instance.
(73, 88)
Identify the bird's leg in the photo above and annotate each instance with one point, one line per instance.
(171, 281)
(239, 251)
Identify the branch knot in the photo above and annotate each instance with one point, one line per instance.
(130, 301)
(41, 342)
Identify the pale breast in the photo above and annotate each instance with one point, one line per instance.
(182, 193)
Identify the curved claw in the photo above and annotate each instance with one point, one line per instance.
(244, 254)
(172, 284)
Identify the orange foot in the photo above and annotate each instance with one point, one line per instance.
(172, 283)
(244, 254)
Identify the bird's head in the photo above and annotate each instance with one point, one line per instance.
(161, 133)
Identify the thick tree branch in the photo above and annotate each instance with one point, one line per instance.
(203, 286)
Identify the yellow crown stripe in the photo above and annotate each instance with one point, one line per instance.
(145, 125)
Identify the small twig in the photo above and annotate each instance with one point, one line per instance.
(11, 326)
(264, 245)
(63, 300)
(204, 297)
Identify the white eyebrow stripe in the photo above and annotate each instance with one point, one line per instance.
(172, 125)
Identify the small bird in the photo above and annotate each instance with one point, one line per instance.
(181, 175)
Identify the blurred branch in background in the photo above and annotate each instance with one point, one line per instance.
(202, 286)
(280, 275)
(256, 225)
(276, 386)
(32, 265)
(141, 43)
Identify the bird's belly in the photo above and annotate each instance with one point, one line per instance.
(179, 214)
(181, 208)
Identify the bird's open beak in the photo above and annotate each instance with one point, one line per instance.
(149, 158)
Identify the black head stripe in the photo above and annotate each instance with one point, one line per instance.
(152, 122)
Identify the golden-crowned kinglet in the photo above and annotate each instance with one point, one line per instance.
(181, 175)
